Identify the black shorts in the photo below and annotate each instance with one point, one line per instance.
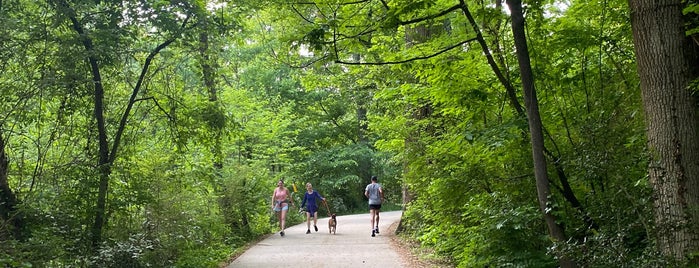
(377, 207)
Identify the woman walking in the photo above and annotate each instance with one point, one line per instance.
(309, 199)
(280, 204)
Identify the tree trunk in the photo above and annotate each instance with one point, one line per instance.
(365, 165)
(103, 164)
(535, 126)
(208, 72)
(666, 66)
(8, 201)
(106, 156)
(362, 96)
(565, 189)
(509, 89)
(415, 34)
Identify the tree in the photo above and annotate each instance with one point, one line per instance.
(334, 35)
(9, 211)
(667, 64)
(106, 156)
(535, 126)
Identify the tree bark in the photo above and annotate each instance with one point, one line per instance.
(565, 189)
(666, 66)
(8, 200)
(535, 126)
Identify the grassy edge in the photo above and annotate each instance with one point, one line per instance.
(414, 255)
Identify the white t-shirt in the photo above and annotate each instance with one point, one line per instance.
(374, 194)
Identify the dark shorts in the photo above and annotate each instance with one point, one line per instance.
(312, 209)
(376, 207)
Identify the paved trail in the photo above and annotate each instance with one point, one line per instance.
(352, 246)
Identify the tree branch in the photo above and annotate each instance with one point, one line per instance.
(137, 88)
(509, 88)
(341, 4)
(333, 120)
(157, 104)
(433, 16)
(410, 59)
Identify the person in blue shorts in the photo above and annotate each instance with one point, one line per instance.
(311, 199)
(280, 204)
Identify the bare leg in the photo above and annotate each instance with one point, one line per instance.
(372, 212)
(315, 220)
(279, 218)
(377, 220)
(282, 219)
(308, 220)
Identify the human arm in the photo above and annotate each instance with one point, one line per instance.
(291, 199)
(303, 204)
(273, 194)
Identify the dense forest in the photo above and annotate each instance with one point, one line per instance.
(512, 133)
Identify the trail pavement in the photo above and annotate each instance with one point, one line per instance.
(352, 246)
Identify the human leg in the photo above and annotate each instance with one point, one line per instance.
(278, 213)
(315, 220)
(372, 214)
(308, 222)
(279, 218)
(282, 218)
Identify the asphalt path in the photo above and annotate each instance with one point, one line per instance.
(351, 246)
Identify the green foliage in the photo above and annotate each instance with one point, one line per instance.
(691, 12)
(446, 120)
(214, 117)
(200, 155)
(486, 230)
(333, 172)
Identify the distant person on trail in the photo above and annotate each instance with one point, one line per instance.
(310, 200)
(374, 192)
(280, 204)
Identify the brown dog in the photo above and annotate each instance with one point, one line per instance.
(332, 224)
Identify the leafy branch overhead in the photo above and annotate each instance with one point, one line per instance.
(337, 31)
(519, 132)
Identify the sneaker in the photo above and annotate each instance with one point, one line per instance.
(308, 231)
(373, 233)
(316, 227)
(281, 233)
(377, 229)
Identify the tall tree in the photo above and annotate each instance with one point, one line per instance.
(87, 37)
(667, 64)
(8, 200)
(535, 126)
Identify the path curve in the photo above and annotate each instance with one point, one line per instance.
(352, 246)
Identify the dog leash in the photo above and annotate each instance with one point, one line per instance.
(326, 207)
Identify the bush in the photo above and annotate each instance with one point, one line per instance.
(488, 230)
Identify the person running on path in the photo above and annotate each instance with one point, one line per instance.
(309, 199)
(280, 204)
(374, 192)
